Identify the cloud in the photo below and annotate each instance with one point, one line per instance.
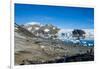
(68, 30)
(32, 23)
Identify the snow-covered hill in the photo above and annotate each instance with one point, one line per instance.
(89, 32)
(68, 33)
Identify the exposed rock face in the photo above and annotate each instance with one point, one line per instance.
(47, 30)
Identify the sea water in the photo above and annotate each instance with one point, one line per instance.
(87, 42)
(82, 42)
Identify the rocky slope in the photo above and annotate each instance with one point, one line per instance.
(37, 50)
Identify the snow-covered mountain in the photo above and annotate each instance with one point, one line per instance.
(68, 33)
(89, 32)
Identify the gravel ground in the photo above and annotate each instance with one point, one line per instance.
(38, 50)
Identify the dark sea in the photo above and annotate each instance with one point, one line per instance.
(87, 42)
(83, 42)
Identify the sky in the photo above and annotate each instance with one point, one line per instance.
(63, 17)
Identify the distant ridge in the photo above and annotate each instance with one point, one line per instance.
(24, 31)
